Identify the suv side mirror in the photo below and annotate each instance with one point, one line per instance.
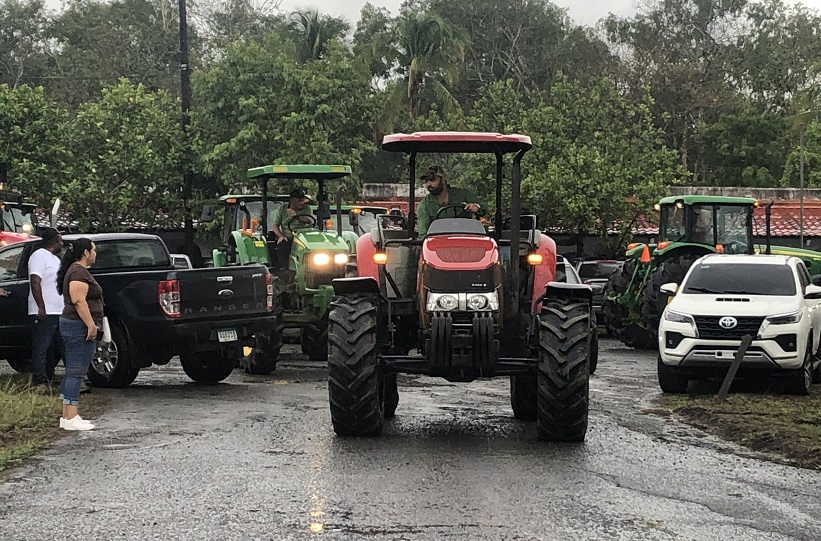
(207, 214)
(816, 280)
(812, 292)
(669, 289)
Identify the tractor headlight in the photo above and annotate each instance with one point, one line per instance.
(321, 259)
(473, 302)
(341, 259)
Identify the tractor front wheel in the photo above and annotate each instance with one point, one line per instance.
(653, 301)
(564, 370)
(354, 383)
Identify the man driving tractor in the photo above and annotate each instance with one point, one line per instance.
(441, 195)
(282, 223)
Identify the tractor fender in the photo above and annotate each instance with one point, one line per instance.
(365, 266)
(347, 286)
(563, 290)
(683, 247)
(545, 272)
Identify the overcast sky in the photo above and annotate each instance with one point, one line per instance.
(586, 12)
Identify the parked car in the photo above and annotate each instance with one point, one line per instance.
(597, 272)
(155, 311)
(725, 297)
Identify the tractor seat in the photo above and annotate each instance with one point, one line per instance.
(456, 226)
(531, 237)
(390, 234)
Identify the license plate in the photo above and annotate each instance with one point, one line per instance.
(227, 335)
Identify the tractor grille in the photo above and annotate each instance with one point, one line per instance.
(709, 328)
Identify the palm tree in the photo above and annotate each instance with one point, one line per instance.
(312, 31)
(430, 54)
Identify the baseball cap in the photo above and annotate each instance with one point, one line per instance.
(432, 171)
(298, 193)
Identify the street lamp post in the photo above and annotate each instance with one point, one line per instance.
(185, 99)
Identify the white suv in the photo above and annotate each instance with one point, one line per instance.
(725, 297)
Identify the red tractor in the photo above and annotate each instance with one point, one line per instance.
(463, 303)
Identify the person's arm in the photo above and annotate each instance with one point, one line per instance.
(78, 291)
(36, 284)
(276, 226)
(472, 198)
(423, 218)
(36, 271)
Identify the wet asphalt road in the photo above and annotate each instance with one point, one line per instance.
(256, 458)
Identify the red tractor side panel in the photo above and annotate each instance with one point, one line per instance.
(545, 272)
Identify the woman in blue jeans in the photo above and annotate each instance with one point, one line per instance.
(79, 324)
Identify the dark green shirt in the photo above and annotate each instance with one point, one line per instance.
(429, 206)
(281, 218)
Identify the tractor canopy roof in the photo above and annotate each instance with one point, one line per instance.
(707, 200)
(303, 171)
(456, 142)
(233, 198)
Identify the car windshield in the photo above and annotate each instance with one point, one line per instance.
(598, 269)
(747, 279)
(15, 219)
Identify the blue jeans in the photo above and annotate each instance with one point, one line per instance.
(43, 333)
(79, 353)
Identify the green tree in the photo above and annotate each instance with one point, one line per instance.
(259, 105)
(124, 161)
(23, 50)
(429, 53)
(313, 31)
(30, 142)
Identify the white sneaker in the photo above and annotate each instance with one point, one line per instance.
(75, 423)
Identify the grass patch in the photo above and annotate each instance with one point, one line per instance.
(788, 427)
(29, 420)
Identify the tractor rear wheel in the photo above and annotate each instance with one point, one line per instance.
(653, 301)
(207, 367)
(354, 384)
(564, 370)
(617, 315)
(263, 358)
(524, 390)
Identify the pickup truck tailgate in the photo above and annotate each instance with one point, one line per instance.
(229, 291)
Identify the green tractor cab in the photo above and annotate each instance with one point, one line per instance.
(690, 227)
(321, 251)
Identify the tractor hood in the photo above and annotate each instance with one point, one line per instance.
(313, 241)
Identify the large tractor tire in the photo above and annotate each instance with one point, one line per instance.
(112, 365)
(564, 370)
(617, 316)
(354, 384)
(206, 366)
(524, 391)
(265, 354)
(653, 301)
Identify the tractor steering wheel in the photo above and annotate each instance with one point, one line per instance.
(300, 224)
(461, 207)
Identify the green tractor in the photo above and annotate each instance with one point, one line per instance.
(691, 226)
(321, 251)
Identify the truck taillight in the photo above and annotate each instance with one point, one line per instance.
(168, 295)
(269, 290)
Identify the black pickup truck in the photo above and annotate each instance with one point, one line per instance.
(206, 316)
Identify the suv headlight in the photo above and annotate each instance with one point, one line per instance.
(785, 319)
(678, 317)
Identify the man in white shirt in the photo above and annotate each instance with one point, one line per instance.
(44, 304)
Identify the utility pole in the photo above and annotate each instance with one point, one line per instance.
(185, 98)
(801, 188)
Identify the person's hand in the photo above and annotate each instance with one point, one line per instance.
(291, 212)
(41, 314)
(472, 207)
(4, 292)
(280, 240)
(91, 332)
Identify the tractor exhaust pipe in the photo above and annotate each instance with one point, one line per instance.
(339, 210)
(767, 214)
